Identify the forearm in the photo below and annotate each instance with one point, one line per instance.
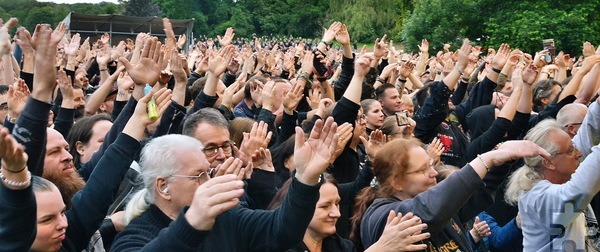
(353, 92)
(510, 108)
(179, 89)
(27, 62)
(573, 86)
(97, 98)
(71, 63)
(210, 88)
(421, 63)
(347, 51)
(416, 82)
(8, 73)
(452, 78)
(588, 87)
(524, 105)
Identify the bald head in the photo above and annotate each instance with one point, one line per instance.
(570, 117)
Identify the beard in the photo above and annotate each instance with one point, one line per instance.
(79, 113)
(67, 185)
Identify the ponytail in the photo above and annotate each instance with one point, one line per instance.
(521, 181)
(136, 206)
(362, 202)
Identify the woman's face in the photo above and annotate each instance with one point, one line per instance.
(375, 116)
(419, 175)
(326, 213)
(99, 130)
(360, 125)
(51, 221)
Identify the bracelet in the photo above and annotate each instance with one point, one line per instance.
(19, 171)
(103, 69)
(11, 119)
(382, 80)
(303, 75)
(14, 184)
(465, 79)
(487, 168)
(458, 70)
(325, 42)
(401, 80)
(496, 70)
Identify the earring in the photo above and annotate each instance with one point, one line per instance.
(165, 190)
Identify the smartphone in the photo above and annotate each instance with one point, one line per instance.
(549, 45)
(402, 118)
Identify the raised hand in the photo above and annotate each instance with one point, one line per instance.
(181, 41)
(480, 230)
(406, 69)
(18, 93)
(307, 63)
(268, 96)
(163, 100)
(13, 155)
(381, 48)
(213, 198)
(588, 49)
(261, 160)
(66, 89)
(312, 155)
(424, 47)
(231, 165)
(331, 33)
(512, 150)
(463, 54)
(376, 140)
(314, 97)
(363, 64)
(4, 37)
(344, 133)
(147, 70)
(401, 233)
(342, 36)
(73, 47)
(293, 98)
(529, 74)
(258, 137)
(227, 38)
(218, 64)
(501, 57)
(435, 150)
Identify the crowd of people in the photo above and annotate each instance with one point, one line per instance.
(284, 145)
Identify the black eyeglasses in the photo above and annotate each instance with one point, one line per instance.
(211, 151)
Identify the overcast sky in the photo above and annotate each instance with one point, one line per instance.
(78, 1)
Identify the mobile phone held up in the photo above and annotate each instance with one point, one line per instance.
(551, 51)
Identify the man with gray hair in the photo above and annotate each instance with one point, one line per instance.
(554, 194)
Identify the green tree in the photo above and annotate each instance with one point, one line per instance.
(141, 8)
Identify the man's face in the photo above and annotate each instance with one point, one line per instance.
(213, 136)
(79, 98)
(566, 159)
(391, 102)
(58, 160)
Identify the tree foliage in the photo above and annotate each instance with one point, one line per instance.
(522, 24)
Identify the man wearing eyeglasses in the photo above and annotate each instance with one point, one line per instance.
(211, 129)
